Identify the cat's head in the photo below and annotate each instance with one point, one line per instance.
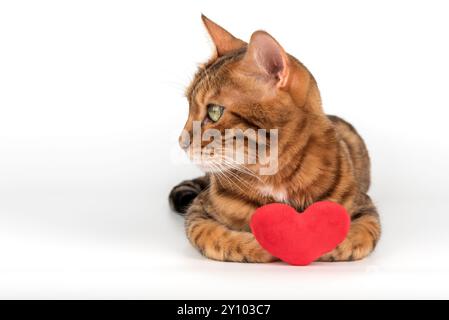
(248, 87)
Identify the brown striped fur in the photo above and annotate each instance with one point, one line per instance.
(320, 157)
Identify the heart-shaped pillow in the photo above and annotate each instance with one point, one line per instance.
(300, 238)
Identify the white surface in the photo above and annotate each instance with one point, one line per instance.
(91, 105)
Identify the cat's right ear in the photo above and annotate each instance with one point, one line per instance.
(267, 57)
(224, 41)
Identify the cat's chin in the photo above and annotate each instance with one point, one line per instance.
(214, 168)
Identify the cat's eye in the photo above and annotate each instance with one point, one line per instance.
(214, 112)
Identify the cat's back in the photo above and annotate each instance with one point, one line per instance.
(357, 150)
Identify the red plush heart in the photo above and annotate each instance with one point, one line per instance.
(300, 239)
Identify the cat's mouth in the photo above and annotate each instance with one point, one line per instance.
(219, 161)
(211, 161)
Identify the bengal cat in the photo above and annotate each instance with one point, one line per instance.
(259, 85)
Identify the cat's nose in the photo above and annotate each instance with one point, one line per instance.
(184, 142)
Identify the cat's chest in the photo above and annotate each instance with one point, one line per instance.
(278, 194)
(297, 200)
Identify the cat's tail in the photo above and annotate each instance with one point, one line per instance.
(216, 241)
(183, 194)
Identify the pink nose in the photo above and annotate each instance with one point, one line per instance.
(184, 142)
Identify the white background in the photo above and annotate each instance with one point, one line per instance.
(91, 103)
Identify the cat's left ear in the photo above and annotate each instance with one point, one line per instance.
(224, 41)
(266, 56)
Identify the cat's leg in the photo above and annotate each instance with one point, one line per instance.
(182, 195)
(363, 234)
(216, 241)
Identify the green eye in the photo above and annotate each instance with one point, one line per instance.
(214, 112)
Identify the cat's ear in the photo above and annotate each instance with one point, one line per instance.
(224, 41)
(266, 55)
